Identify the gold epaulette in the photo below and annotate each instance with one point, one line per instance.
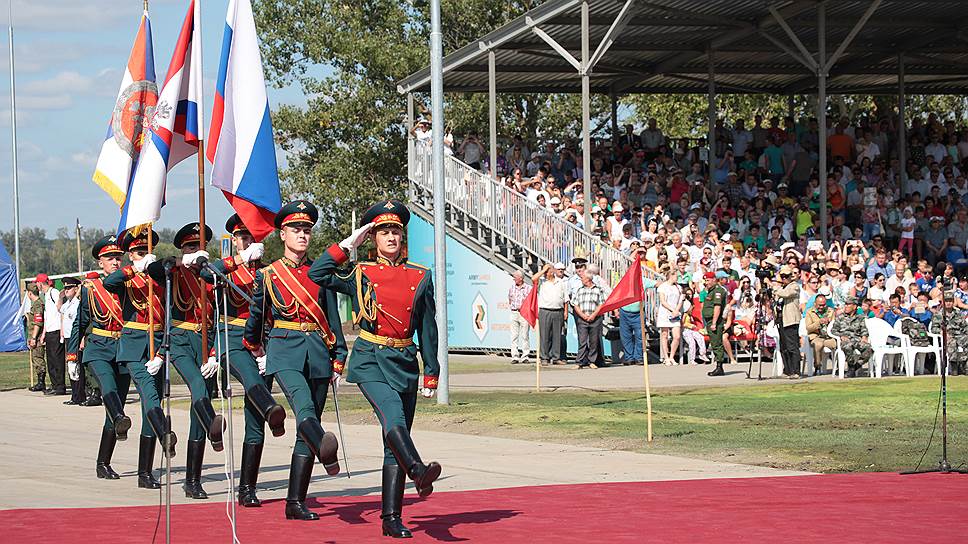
(415, 265)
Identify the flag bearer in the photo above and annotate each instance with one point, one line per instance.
(392, 300)
(295, 324)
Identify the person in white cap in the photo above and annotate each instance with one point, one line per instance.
(552, 303)
(615, 222)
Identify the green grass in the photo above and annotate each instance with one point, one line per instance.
(14, 371)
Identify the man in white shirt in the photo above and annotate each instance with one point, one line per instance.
(742, 138)
(615, 223)
(552, 299)
(52, 335)
(68, 305)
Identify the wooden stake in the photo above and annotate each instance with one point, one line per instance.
(645, 366)
(537, 356)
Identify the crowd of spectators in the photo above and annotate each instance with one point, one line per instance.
(896, 233)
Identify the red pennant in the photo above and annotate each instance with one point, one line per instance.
(628, 290)
(529, 308)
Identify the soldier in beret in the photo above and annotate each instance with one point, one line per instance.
(851, 328)
(142, 316)
(295, 325)
(260, 407)
(100, 310)
(194, 366)
(392, 300)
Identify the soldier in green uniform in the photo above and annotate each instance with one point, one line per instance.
(392, 300)
(35, 331)
(194, 363)
(260, 407)
(851, 328)
(956, 343)
(713, 316)
(142, 310)
(101, 311)
(296, 325)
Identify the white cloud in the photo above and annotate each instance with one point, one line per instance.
(58, 83)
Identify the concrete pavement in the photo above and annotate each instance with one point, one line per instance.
(48, 451)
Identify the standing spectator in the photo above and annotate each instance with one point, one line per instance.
(692, 325)
(585, 303)
(935, 241)
(68, 304)
(669, 317)
(552, 299)
(520, 330)
(472, 151)
(421, 131)
(652, 139)
(742, 138)
(616, 222)
(52, 335)
(35, 337)
(788, 294)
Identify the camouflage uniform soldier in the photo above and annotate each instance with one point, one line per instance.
(957, 329)
(852, 330)
(35, 331)
(916, 331)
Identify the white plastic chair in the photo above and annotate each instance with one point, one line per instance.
(878, 332)
(936, 343)
(806, 348)
(912, 352)
(840, 358)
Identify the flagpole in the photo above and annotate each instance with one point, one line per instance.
(645, 365)
(201, 184)
(13, 135)
(151, 294)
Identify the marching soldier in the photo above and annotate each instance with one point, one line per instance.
(392, 300)
(195, 367)
(851, 328)
(260, 407)
(305, 343)
(714, 316)
(957, 334)
(101, 310)
(130, 285)
(35, 331)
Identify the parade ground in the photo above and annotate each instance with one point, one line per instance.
(510, 481)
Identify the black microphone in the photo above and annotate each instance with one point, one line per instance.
(201, 261)
(169, 263)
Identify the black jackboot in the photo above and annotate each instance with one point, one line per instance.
(146, 456)
(393, 483)
(251, 457)
(272, 412)
(104, 452)
(193, 470)
(300, 472)
(213, 424)
(323, 444)
(718, 371)
(423, 476)
(162, 427)
(115, 411)
(40, 386)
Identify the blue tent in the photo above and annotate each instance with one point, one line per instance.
(11, 325)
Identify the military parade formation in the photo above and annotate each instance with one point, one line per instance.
(282, 326)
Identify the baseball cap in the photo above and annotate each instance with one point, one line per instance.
(709, 275)
(617, 207)
(559, 265)
(42, 278)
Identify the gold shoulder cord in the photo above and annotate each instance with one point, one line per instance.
(138, 304)
(287, 310)
(99, 316)
(368, 306)
(183, 304)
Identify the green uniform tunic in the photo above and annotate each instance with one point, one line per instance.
(300, 360)
(390, 300)
(38, 364)
(715, 297)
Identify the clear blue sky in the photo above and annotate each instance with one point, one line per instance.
(70, 55)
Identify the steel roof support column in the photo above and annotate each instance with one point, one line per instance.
(615, 133)
(822, 114)
(711, 96)
(440, 234)
(901, 126)
(492, 110)
(586, 137)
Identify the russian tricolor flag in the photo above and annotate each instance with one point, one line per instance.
(241, 147)
(174, 127)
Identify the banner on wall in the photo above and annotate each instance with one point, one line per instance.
(478, 314)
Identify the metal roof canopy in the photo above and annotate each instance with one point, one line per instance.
(757, 46)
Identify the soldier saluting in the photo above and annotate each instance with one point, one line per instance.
(260, 407)
(101, 310)
(392, 300)
(130, 284)
(305, 342)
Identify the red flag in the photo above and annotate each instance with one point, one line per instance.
(628, 290)
(529, 308)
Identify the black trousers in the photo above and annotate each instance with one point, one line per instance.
(589, 340)
(79, 386)
(790, 349)
(55, 359)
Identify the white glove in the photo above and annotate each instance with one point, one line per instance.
(259, 352)
(254, 252)
(261, 361)
(356, 239)
(154, 365)
(74, 370)
(427, 392)
(210, 368)
(142, 264)
(336, 380)
(189, 259)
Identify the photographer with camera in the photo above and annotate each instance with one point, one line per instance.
(787, 294)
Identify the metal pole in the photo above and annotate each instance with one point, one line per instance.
(202, 241)
(790, 106)
(77, 238)
(901, 126)
(13, 144)
(492, 111)
(822, 114)
(711, 97)
(586, 137)
(440, 235)
(614, 98)
(228, 398)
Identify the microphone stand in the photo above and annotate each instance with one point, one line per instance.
(227, 391)
(166, 345)
(203, 262)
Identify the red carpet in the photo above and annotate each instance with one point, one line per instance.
(870, 508)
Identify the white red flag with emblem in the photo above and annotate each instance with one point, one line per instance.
(127, 129)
